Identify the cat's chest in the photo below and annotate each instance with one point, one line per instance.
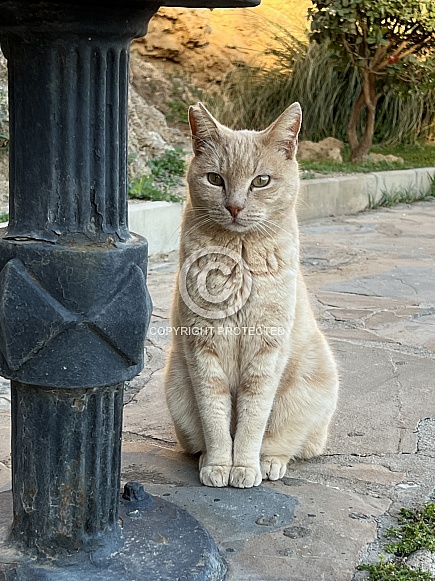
(241, 285)
(264, 259)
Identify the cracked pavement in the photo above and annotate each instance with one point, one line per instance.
(372, 283)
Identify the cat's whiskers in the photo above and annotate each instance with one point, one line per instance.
(199, 224)
(194, 210)
(201, 220)
(269, 227)
(262, 228)
(301, 201)
(271, 232)
(264, 222)
(269, 221)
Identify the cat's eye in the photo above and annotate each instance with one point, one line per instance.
(260, 181)
(215, 179)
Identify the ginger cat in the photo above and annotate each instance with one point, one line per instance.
(250, 380)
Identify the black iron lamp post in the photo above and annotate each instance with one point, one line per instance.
(74, 306)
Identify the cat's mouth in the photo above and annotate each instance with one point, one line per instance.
(237, 225)
(231, 222)
(234, 227)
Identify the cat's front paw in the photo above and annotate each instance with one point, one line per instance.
(245, 476)
(214, 475)
(273, 467)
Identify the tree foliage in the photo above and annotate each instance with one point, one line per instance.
(387, 41)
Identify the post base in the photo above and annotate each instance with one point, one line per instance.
(160, 542)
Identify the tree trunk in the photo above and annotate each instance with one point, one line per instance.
(352, 132)
(368, 99)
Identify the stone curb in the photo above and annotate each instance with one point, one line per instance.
(160, 222)
(324, 197)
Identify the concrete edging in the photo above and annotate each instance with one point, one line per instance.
(320, 198)
(160, 222)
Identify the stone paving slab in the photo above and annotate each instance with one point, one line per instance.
(298, 549)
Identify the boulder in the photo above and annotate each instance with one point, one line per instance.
(327, 149)
(377, 157)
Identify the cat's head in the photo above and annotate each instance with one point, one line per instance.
(244, 180)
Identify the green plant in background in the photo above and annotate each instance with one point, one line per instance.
(327, 87)
(389, 199)
(382, 40)
(252, 97)
(392, 571)
(165, 176)
(169, 167)
(416, 531)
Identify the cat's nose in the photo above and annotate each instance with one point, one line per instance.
(234, 210)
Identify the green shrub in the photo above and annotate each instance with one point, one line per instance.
(169, 167)
(326, 86)
(392, 571)
(164, 177)
(416, 531)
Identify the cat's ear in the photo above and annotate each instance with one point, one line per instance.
(203, 126)
(285, 130)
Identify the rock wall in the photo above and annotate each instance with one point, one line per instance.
(203, 43)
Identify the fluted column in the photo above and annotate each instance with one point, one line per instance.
(66, 481)
(74, 164)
